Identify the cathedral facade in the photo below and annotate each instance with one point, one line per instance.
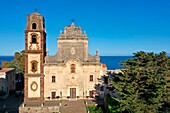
(72, 73)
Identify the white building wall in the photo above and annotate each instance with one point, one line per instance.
(7, 80)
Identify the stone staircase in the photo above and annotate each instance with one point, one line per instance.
(73, 106)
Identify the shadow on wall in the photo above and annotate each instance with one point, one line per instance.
(9, 101)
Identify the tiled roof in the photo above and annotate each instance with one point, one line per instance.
(104, 65)
(6, 69)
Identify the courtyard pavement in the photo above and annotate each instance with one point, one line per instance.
(73, 106)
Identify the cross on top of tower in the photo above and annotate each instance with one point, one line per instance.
(36, 10)
(73, 20)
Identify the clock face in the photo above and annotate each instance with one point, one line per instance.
(34, 86)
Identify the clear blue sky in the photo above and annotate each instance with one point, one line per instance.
(114, 27)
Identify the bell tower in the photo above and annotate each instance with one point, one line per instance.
(35, 52)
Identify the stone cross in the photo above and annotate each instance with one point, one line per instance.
(72, 20)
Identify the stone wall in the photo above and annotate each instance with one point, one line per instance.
(66, 80)
(44, 109)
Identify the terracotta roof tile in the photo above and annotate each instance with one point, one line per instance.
(104, 66)
(6, 69)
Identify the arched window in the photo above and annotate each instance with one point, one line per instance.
(53, 78)
(34, 39)
(73, 68)
(34, 65)
(91, 78)
(34, 26)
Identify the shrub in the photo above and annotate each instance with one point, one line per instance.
(57, 97)
(94, 109)
(68, 97)
(48, 97)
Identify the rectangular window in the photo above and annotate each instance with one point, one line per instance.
(91, 78)
(91, 93)
(53, 78)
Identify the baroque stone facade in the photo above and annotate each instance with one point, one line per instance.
(71, 73)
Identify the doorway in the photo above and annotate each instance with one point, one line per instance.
(72, 92)
(53, 94)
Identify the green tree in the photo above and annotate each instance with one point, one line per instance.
(112, 104)
(143, 86)
(18, 63)
(94, 109)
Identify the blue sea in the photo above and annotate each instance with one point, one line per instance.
(6, 58)
(112, 62)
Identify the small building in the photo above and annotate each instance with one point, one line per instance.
(7, 81)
